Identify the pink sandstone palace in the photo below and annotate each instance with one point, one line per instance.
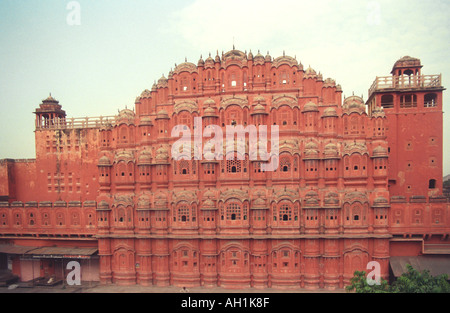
(358, 181)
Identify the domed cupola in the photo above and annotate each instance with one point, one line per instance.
(259, 58)
(234, 57)
(354, 104)
(209, 62)
(310, 73)
(126, 116)
(162, 82)
(310, 107)
(145, 157)
(49, 113)
(331, 151)
(162, 155)
(200, 62)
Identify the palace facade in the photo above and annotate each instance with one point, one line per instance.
(356, 182)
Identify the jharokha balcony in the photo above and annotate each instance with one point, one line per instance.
(405, 82)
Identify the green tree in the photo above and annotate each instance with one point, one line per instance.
(360, 284)
(412, 281)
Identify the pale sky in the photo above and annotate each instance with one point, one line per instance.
(122, 46)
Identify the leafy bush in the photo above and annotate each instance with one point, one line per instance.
(412, 281)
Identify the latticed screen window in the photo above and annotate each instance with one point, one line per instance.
(222, 212)
(257, 167)
(245, 211)
(233, 118)
(183, 213)
(208, 168)
(183, 167)
(285, 213)
(185, 120)
(233, 166)
(233, 211)
(285, 118)
(285, 164)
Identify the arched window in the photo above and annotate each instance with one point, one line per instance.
(356, 213)
(60, 219)
(233, 117)
(285, 260)
(285, 116)
(354, 121)
(185, 84)
(45, 216)
(233, 211)
(285, 212)
(387, 101)
(185, 119)
(184, 167)
(75, 219)
(356, 160)
(233, 166)
(121, 216)
(284, 78)
(408, 101)
(123, 135)
(430, 100)
(233, 80)
(432, 184)
(31, 219)
(183, 212)
(285, 164)
(121, 169)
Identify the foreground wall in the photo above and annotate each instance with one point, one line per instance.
(239, 263)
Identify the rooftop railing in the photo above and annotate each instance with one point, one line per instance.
(405, 82)
(76, 123)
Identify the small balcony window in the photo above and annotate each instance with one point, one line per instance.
(430, 100)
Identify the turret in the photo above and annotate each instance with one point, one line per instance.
(49, 114)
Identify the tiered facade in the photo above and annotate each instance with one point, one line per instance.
(326, 211)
